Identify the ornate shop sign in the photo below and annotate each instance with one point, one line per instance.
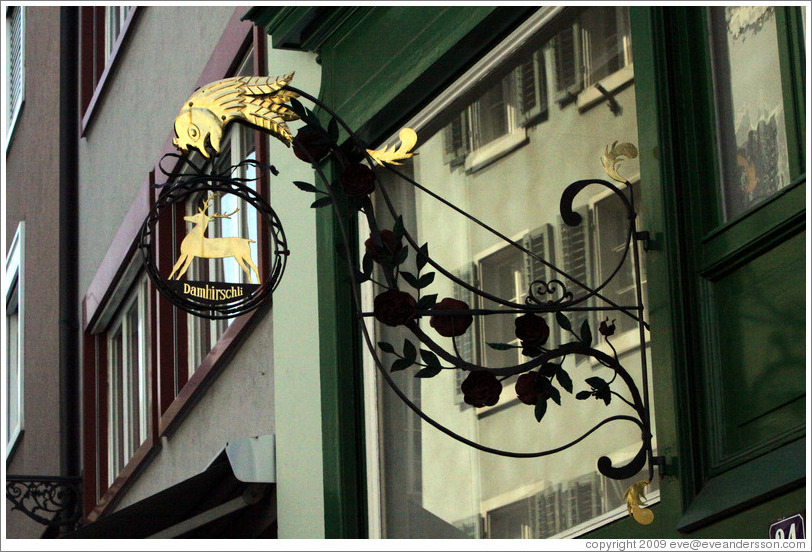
(402, 298)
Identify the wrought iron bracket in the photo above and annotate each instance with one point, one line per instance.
(53, 501)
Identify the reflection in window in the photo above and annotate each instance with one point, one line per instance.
(127, 381)
(486, 495)
(750, 106)
(595, 46)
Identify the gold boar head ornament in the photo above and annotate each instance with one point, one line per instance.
(257, 101)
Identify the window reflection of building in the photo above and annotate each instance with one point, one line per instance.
(506, 166)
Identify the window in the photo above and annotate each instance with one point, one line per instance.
(518, 194)
(592, 52)
(103, 29)
(492, 125)
(14, 354)
(127, 381)
(238, 145)
(750, 106)
(15, 66)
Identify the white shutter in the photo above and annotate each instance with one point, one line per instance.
(540, 243)
(15, 28)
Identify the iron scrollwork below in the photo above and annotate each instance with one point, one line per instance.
(51, 501)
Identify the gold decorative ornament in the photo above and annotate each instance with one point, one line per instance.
(614, 155)
(408, 139)
(259, 101)
(635, 501)
(196, 244)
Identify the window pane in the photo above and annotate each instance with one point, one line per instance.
(750, 106)
(13, 378)
(435, 486)
(133, 370)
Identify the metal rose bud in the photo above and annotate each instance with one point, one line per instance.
(391, 246)
(481, 388)
(607, 329)
(310, 141)
(357, 180)
(394, 307)
(532, 330)
(451, 325)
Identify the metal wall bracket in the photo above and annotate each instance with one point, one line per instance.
(50, 500)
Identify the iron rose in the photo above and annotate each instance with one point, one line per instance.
(312, 142)
(451, 325)
(357, 180)
(391, 246)
(532, 330)
(481, 388)
(394, 307)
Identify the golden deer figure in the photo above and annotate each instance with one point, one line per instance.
(196, 244)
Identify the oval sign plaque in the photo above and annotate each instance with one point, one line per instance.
(213, 277)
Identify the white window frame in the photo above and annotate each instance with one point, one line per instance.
(14, 283)
(12, 112)
(123, 373)
(114, 19)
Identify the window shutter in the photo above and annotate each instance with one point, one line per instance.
(576, 261)
(568, 63)
(546, 513)
(531, 87)
(455, 140)
(466, 343)
(16, 74)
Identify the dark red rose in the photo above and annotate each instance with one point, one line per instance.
(481, 388)
(310, 141)
(526, 388)
(607, 329)
(451, 325)
(357, 180)
(532, 330)
(394, 307)
(391, 246)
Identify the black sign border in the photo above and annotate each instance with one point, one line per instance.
(278, 252)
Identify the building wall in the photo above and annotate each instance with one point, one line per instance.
(271, 385)
(32, 195)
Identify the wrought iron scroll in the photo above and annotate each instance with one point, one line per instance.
(51, 501)
(349, 196)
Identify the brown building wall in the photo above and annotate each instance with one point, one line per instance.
(32, 195)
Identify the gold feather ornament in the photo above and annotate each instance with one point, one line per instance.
(635, 501)
(257, 101)
(408, 139)
(613, 156)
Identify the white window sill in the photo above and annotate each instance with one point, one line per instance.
(613, 83)
(495, 149)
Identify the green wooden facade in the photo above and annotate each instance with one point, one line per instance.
(727, 298)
